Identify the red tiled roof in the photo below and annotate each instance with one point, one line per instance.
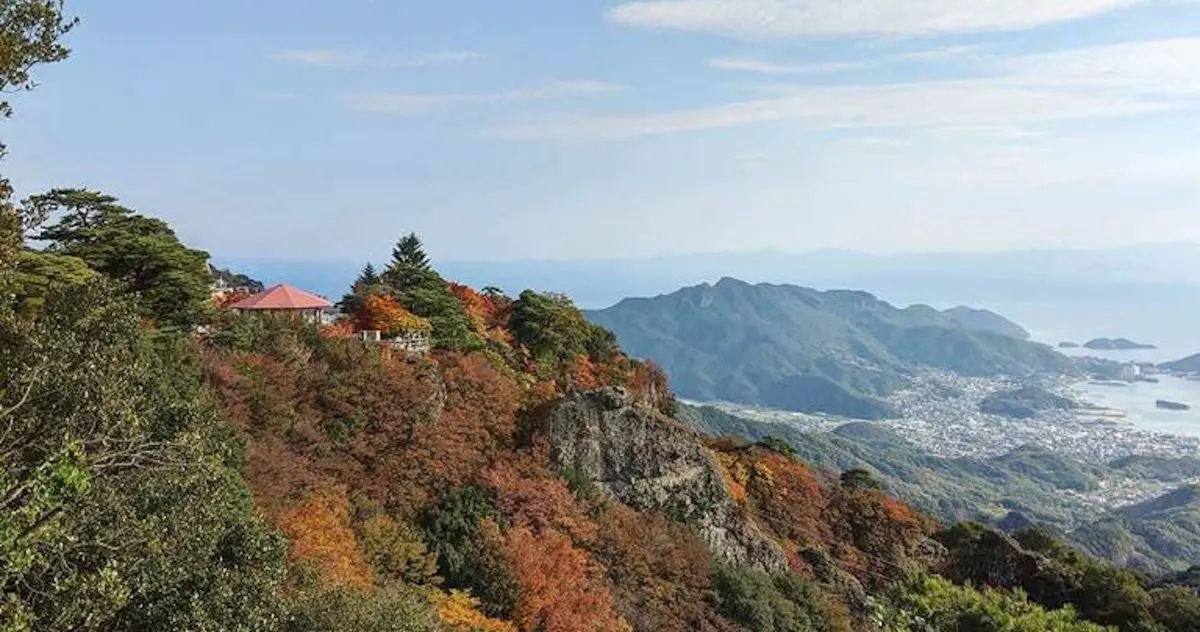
(282, 297)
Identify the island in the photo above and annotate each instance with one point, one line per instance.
(1068, 345)
(1115, 344)
(1167, 405)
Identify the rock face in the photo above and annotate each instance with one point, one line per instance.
(652, 462)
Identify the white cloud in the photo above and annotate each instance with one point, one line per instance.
(1108, 81)
(772, 68)
(407, 104)
(745, 64)
(322, 58)
(348, 59)
(1168, 66)
(784, 18)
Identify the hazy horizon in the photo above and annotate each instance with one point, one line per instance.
(627, 128)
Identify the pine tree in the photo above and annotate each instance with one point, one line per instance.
(409, 252)
(368, 276)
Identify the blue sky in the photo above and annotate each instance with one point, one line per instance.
(528, 129)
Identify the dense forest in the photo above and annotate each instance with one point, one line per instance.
(166, 464)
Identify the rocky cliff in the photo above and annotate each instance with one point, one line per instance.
(652, 462)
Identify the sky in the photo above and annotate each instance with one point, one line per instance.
(589, 129)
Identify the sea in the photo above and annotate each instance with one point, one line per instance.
(1138, 400)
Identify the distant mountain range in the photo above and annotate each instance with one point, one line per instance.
(1055, 294)
(801, 349)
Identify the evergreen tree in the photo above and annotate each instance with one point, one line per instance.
(409, 252)
(368, 276)
(170, 279)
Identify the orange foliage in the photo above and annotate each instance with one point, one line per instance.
(320, 533)
(384, 313)
(559, 589)
(530, 496)
(582, 374)
(225, 299)
(459, 611)
(488, 316)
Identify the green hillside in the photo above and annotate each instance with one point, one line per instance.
(1024, 486)
(984, 320)
(800, 349)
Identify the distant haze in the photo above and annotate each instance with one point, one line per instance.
(1148, 293)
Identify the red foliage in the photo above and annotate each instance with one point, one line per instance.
(660, 572)
(478, 421)
(530, 496)
(870, 534)
(340, 329)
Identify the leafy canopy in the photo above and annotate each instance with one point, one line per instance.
(170, 280)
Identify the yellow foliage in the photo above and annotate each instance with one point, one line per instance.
(460, 611)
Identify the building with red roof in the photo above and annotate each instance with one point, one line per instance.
(284, 299)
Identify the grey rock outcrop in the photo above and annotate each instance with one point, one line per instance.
(652, 462)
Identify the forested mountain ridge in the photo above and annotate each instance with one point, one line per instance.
(266, 473)
(984, 320)
(801, 349)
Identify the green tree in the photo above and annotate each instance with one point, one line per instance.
(554, 330)
(120, 504)
(30, 35)
(860, 479)
(368, 277)
(170, 280)
(933, 604)
(779, 602)
(422, 291)
(410, 252)
(36, 273)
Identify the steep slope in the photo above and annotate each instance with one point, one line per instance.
(801, 349)
(1190, 364)
(988, 321)
(1028, 481)
(1157, 536)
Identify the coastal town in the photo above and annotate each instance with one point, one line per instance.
(940, 412)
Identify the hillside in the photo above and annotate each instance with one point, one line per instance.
(1115, 344)
(800, 349)
(987, 321)
(1025, 402)
(1028, 481)
(1158, 536)
(1018, 488)
(1190, 364)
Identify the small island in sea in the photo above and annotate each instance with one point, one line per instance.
(1168, 405)
(1115, 344)
(1068, 345)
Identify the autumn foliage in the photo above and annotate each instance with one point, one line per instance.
(384, 313)
(319, 530)
(414, 472)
